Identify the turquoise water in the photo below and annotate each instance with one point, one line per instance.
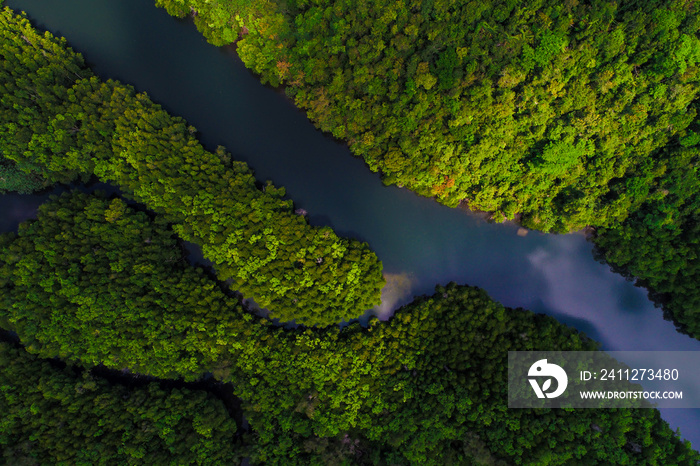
(420, 242)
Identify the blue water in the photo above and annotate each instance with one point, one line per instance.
(420, 242)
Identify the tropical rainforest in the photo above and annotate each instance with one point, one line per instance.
(61, 123)
(96, 281)
(545, 109)
(52, 414)
(660, 242)
(559, 114)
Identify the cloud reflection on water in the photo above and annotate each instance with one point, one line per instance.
(589, 291)
(396, 293)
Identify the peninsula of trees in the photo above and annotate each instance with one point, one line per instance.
(561, 114)
(94, 281)
(61, 123)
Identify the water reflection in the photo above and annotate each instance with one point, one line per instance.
(420, 242)
(397, 292)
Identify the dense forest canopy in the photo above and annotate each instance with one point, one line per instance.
(50, 72)
(92, 281)
(80, 126)
(559, 114)
(53, 415)
(429, 387)
(12, 179)
(95, 281)
(544, 108)
(660, 242)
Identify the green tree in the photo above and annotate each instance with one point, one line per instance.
(252, 235)
(469, 102)
(93, 281)
(36, 73)
(60, 416)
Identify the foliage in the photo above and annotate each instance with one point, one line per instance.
(660, 242)
(464, 100)
(224, 22)
(553, 110)
(429, 387)
(57, 416)
(268, 253)
(36, 72)
(93, 281)
(252, 236)
(13, 179)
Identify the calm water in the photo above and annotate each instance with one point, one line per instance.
(420, 242)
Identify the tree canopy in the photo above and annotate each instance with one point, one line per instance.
(54, 415)
(95, 282)
(251, 234)
(660, 242)
(546, 109)
(429, 387)
(36, 72)
(561, 114)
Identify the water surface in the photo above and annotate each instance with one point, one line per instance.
(420, 242)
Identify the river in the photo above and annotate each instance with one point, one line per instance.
(420, 242)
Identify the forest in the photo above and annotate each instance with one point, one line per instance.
(427, 387)
(53, 414)
(95, 281)
(62, 123)
(660, 242)
(544, 109)
(558, 114)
